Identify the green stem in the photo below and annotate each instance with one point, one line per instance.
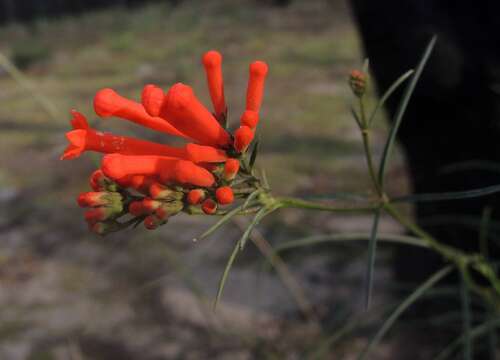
(287, 202)
(369, 159)
(463, 261)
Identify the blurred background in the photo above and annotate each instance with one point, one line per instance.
(68, 294)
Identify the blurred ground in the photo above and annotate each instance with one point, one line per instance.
(66, 294)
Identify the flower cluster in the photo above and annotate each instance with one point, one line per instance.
(142, 181)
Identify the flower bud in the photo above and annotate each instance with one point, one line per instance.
(196, 196)
(224, 195)
(212, 62)
(151, 222)
(152, 99)
(231, 168)
(136, 208)
(243, 136)
(104, 228)
(209, 207)
(94, 199)
(150, 205)
(159, 191)
(357, 82)
(101, 213)
(169, 209)
(255, 89)
(250, 118)
(99, 182)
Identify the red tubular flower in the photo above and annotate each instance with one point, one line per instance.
(84, 138)
(224, 195)
(189, 116)
(108, 103)
(186, 172)
(255, 89)
(212, 61)
(152, 98)
(243, 136)
(250, 118)
(209, 207)
(116, 166)
(204, 154)
(231, 168)
(196, 196)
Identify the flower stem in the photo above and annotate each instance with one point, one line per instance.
(369, 159)
(288, 202)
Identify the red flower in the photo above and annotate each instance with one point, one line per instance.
(255, 89)
(231, 168)
(152, 181)
(242, 138)
(212, 61)
(152, 99)
(108, 103)
(250, 118)
(188, 114)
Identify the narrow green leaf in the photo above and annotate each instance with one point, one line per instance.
(388, 94)
(249, 199)
(372, 247)
(466, 319)
(454, 195)
(25, 83)
(401, 110)
(225, 274)
(221, 222)
(366, 66)
(258, 217)
(265, 181)
(490, 166)
(474, 333)
(334, 238)
(253, 156)
(492, 335)
(414, 296)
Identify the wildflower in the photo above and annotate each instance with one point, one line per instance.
(255, 89)
(151, 182)
(108, 103)
(188, 114)
(212, 62)
(152, 99)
